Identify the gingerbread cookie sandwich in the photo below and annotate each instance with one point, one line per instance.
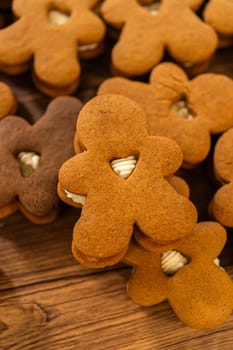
(148, 29)
(187, 111)
(219, 14)
(8, 102)
(120, 180)
(55, 34)
(221, 207)
(189, 277)
(31, 156)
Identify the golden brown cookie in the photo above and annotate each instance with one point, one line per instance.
(198, 290)
(221, 207)
(8, 103)
(30, 157)
(120, 181)
(55, 34)
(219, 14)
(147, 33)
(187, 111)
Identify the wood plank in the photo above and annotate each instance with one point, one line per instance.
(95, 313)
(33, 253)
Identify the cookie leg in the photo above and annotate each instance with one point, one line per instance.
(56, 68)
(193, 46)
(134, 54)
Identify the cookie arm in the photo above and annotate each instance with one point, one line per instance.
(193, 45)
(15, 47)
(55, 62)
(134, 54)
(90, 28)
(221, 205)
(116, 12)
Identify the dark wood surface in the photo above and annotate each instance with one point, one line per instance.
(49, 302)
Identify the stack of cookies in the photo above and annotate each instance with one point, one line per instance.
(117, 157)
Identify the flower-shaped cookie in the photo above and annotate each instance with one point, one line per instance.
(145, 35)
(219, 14)
(31, 156)
(8, 103)
(221, 206)
(199, 291)
(54, 33)
(120, 180)
(186, 111)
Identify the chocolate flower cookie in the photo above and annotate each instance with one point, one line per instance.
(31, 156)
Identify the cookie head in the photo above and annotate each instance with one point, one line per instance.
(107, 117)
(121, 178)
(31, 159)
(190, 277)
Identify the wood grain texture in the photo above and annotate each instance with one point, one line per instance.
(49, 302)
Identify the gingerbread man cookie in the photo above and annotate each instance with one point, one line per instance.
(8, 103)
(199, 291)
(146, 34)
(54, 34)
(221, 206)
(31, 156)
(219, 14)
(188, 111)
(120, 181)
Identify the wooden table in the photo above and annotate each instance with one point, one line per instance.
(49, 302)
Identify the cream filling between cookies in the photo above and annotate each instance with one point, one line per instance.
(76, 198)
(124, 167)
(180, 109)
(59, 18)
(153, 8)
(29, 162)
(172, 261)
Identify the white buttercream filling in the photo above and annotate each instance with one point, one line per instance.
(187, 64)
(28, 161)
(57, 18)
(153, 8)
(88, 47)
(180, 109)
(76, 198)
(124, 166)
(172, 261)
